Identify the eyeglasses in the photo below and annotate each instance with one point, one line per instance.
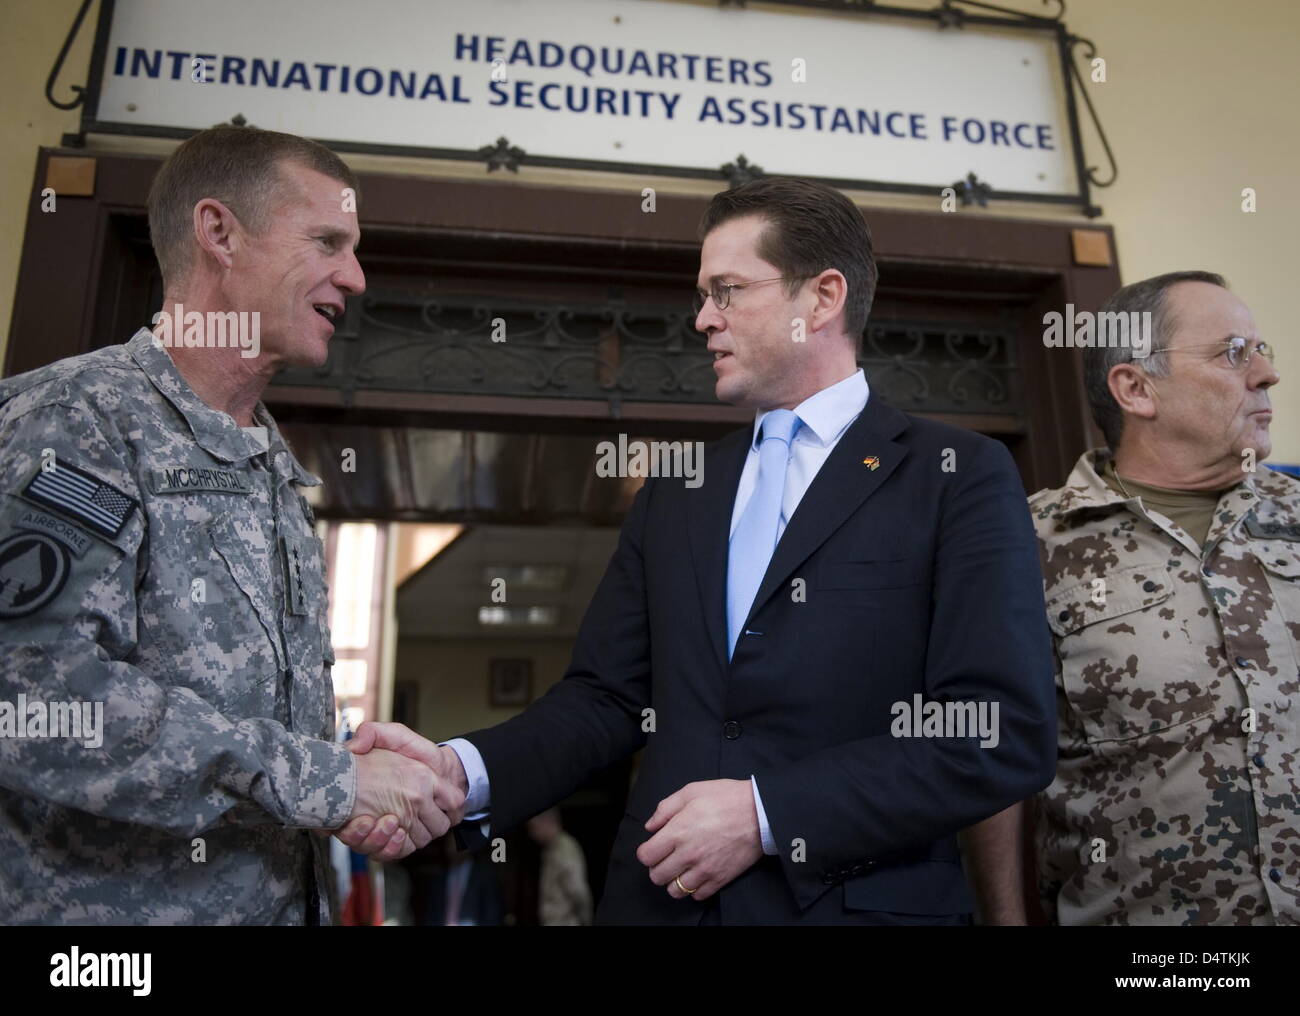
(720, 292)
(1236, 349)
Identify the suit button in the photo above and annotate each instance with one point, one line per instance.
(1275, 875)
(1258, 760)
(1149, 586)
(731, 730)
(1063, 616)
(828, 878)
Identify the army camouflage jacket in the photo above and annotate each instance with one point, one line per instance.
(1177, 793)
(158, 563)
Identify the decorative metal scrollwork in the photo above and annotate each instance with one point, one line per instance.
(616, 352)
(502, 155)
(985, 367)
(1090, 52)
(78, 90)
(948, 9)
(742, 171)
(973, 191)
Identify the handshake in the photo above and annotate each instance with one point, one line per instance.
(410, 791)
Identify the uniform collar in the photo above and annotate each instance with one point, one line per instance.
(215, 432)
(1086, 489)
(827, 414)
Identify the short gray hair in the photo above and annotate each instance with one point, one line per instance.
(240, 167)
(1147, 296)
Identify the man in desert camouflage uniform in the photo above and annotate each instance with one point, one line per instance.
(1172, 580)
(158, 558)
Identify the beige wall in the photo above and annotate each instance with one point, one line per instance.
(1200, 102)
(34, 30)
(453, 678)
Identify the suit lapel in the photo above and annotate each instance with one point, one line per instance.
(710, 508)
(840, 487)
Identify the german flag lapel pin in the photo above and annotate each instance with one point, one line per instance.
(871, 462)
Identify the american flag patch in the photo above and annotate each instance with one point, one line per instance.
(78, 495)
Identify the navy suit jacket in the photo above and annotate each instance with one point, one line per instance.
(919, 576)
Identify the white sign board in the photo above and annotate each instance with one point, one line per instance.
(626, 84)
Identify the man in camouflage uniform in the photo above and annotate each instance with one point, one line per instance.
(157, 558)
(1172, 580)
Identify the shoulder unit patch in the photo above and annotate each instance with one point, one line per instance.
(33, 569)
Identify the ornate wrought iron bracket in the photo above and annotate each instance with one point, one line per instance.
(79, 91)
(848, 5)
(1089, 53)
(952, 16)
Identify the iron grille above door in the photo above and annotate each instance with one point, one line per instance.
(478, 344)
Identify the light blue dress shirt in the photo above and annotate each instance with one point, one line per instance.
(826, 416)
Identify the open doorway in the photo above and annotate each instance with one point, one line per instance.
(485, 626)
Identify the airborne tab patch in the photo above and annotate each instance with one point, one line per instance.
(77, 539)
(82, 496)
(183, 479)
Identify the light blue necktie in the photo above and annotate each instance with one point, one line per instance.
(754, 540)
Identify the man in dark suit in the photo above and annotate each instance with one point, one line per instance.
(832, 651)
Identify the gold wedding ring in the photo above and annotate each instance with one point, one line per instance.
(688, 892)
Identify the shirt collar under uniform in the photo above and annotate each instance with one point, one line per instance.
(1086, 489)
(828, 413)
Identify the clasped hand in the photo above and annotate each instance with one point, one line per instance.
(410, 791)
